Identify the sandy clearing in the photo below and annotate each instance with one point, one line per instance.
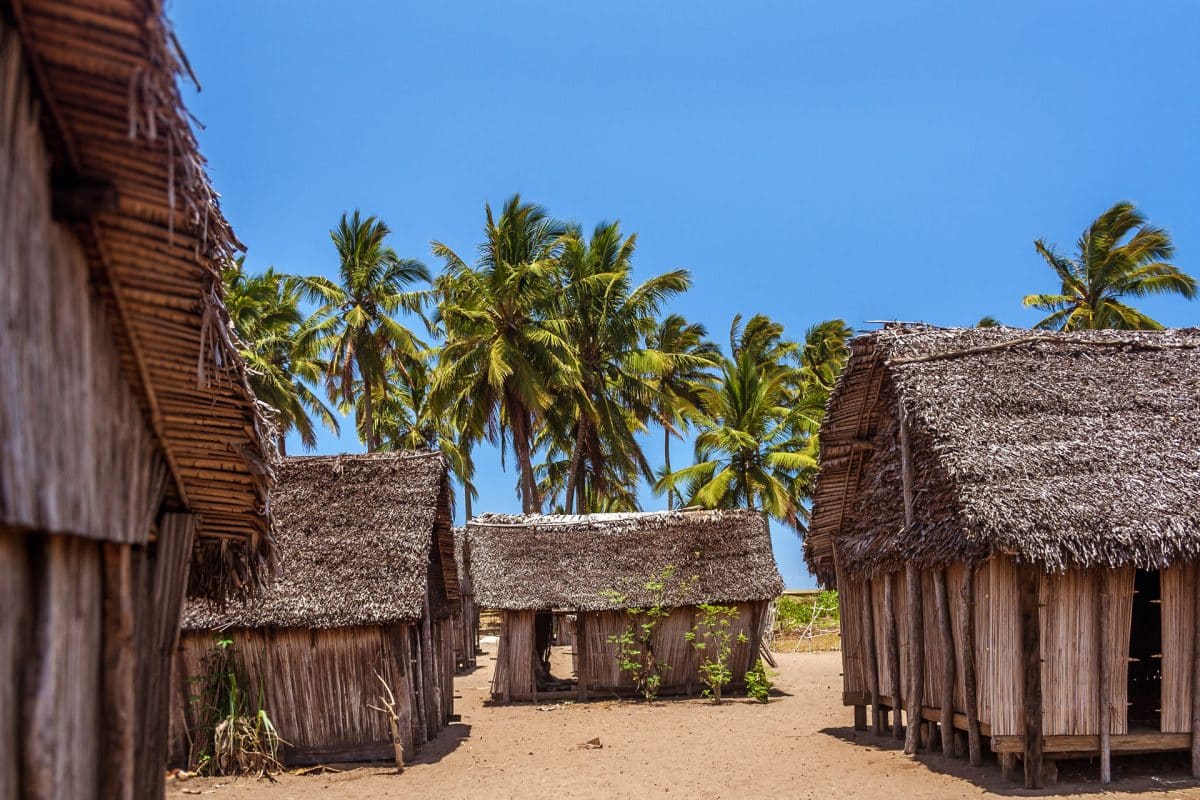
(800, 746)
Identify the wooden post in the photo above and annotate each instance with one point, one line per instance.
(419, 689)
(974, 747)
(946, 637)
(119, 673)
(1105, 683)
(429, 676)
(860, 718)
(870, 658)
(1196, 670)
(893, 654)
(1029, 580)
(916, 619)
(581, 657)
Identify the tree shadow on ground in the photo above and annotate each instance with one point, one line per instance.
(446, 742)
(1133, 774)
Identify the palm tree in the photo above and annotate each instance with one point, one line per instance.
(605, 319)
(686, 361)
(366, 340)
(501, 354)
(1120, 254)
(281, 347)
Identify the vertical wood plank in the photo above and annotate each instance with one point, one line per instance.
(869, 657)
(119, 671)
(1031, 672)
(1195, 676)
(946, 638)
(893, 653)
(916, 624)
(1104, 689)
(14, 575)
(970, 687)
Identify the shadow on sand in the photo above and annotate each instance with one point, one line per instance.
(1132, 774)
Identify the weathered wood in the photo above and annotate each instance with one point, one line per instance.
(1029, 580)
(1008, 765)
(893, 653)
(14, 577)
(1196, 672)
(970, 685)
(429, 677)
(418, 686)
(1105, 680)
(581, 658)
(860, 718)
(916, 621)
(870, 660)
(1089, 744)
(118, 704)
(946, 638)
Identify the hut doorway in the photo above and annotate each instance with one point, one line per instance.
(556, 651)
(1145, 653)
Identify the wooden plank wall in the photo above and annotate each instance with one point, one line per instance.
(852, 595)
(1178, 618)
(1004, 642)
(317, 685)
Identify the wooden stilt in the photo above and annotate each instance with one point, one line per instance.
(430, 677)
(1008, 766)
(974, 747)
(946, 638)
(1105, 682)
(1029, 580)
(119, 673)
(870, 658)
(893, 654)
(860, 718)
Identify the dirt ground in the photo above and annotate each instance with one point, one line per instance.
(801, 745)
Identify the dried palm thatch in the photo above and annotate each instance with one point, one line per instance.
(584, 562)
(1061, 449)
(359, 539)
(130, 184)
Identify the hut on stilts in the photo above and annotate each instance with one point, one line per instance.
(595, 568)
(133, 456)
(367, 581)
(466, 613)
(1012, 521)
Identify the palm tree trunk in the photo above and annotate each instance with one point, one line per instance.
(368, 412)
(467, 504)
(522, 441)
(573, 470)
(283, 445)
(667, 464)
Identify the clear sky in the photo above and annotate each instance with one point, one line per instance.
(804, 160)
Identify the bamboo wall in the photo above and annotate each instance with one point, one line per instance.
(466, 632)
(596, 664)
(317, 684)
(1178, 633)
(1070, 651)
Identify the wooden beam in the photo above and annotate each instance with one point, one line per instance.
(119, 673)
(1089, 744)
(974, 746)
(893, 652)
(946, 638)
(1105, 682)
(870, 658)
(1028, 583)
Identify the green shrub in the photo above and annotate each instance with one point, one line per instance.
(713, 639)
(758, 682)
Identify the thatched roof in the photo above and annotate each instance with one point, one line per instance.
(576, 562)
(154, 233)
(360, 538)
(1062, 449)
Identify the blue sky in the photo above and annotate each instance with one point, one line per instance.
(804, 160)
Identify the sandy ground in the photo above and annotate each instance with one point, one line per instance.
(801, 745)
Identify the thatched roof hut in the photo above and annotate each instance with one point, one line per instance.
(1069, 461)
(134, 460)
(466, 613)
(596, 567)
(367, 577)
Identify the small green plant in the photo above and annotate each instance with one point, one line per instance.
(233, 736)
(713, 639)
(635, 645)
(758, 682)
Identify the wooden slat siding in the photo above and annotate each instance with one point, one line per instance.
(935, 655)
(967, 660)
(60, 746)
(1090, 744)
(414, 685)
(1070, 674)
(119, 674)
(1004, 634)
(1178, 631)
(851, 596)
(14, 576)
(516, 652)
(983, 642)
(317, 685)
(85, 463)
(954, 597)
(1030, 593)
(160, 602)
(1119, 585)
(900, 602)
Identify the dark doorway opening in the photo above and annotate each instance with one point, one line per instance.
(556, 651)
(1145, 653)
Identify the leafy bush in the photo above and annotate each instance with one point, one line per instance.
(758, 682)
(713, 639)
(635, 645)
(794, 613)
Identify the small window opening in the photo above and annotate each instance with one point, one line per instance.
(1145, 653)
